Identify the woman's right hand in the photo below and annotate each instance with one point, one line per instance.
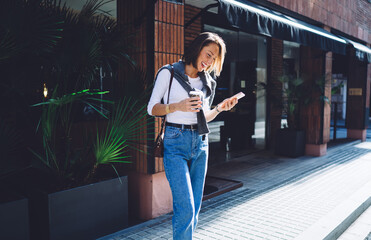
(192, 104)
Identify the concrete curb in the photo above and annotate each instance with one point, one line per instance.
(337, 221)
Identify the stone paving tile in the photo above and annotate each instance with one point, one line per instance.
(296, 196)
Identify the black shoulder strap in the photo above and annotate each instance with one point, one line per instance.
(171, 82)
(168, 96)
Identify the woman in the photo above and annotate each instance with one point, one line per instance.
(185, 138)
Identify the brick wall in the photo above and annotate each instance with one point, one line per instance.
(349, 16)
(275, 88)
(194, 29)
(169, 32)
(169, 44)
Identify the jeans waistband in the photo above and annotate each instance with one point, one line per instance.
(182, 126)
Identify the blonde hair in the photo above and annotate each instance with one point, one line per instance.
(201, 41)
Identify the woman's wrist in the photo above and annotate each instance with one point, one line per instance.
(217, 109)
(167, 108)
(170, 108)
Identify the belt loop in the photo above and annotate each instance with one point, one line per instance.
(203, 137)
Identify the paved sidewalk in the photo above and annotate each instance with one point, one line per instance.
(282, 198)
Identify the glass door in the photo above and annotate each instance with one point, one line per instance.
(242, 130)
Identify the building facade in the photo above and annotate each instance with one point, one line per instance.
(317, 39)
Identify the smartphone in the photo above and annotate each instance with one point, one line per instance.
(238, 95)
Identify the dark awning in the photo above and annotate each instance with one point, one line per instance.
(363, 52)
(257, 19)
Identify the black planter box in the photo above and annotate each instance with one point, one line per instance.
(290, 143)
(86, 212)
(14, 223)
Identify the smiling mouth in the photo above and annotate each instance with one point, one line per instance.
(203, 65)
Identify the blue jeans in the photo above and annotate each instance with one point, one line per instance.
(185, 162)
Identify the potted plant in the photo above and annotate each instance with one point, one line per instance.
(72, 206)
(290, 140)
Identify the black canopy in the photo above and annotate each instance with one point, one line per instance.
(363, 52)
(257, 19)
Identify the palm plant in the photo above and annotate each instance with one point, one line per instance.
(91, 43)
(60, 155)
(297, 94)
(113, 145)
(27, 27)
(293, 94)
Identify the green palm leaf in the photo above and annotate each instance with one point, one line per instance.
(57, 111)
(122, 133)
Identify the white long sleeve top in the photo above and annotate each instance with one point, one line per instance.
(177, 94)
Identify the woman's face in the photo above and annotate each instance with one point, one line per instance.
(207, 56)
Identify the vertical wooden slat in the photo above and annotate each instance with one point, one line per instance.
(177, 14)
(167, 38)
(172, 13)
(156, 10)
(156, 61)
(175, 43)
(156, 34)
(182, 41)
(163, 11)
(171, 39)
(166, 15)
(159, 37)
(180, 36)
(158, 4)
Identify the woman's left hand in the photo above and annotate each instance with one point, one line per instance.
(227, 104)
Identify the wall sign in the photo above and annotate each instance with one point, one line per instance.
(355, 91)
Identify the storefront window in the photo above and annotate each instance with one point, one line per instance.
(291, 58)
(339, 82)
(245, 67)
